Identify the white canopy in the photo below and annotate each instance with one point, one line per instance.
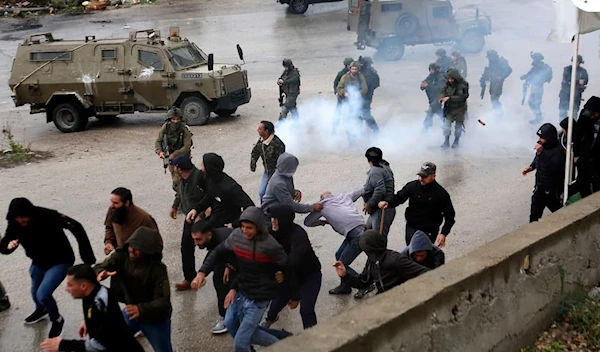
(570, 19)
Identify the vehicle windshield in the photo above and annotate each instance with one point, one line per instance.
(187, 56)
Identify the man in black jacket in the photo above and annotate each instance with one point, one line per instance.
(549, 162)
(41, 233)
(224, 195)
(302, 259)
(103, 321)
(586, 148)
(384, 268)
(205, 237)
(428, 205)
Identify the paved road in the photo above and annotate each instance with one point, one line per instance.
(483, 177)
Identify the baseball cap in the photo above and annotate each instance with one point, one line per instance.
(427, 169)
(183, 162)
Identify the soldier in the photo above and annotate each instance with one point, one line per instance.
(496, 72)
(179, 140)
(565, 88)
(372, 79)
(289, 84)
(347, 62)
(454, 101)
(459, 63)
(539, 74)
(432, 85)
(443, 61)
(353, 79)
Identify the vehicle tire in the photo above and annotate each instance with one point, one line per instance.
(472, 42)
(225, 112)
(69, 117)
(195, 111)
(298, 7)
(406, 25)
(391, 49)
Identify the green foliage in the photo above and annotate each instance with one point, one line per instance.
(17, 152)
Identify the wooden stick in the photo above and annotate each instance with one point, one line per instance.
(381, 223)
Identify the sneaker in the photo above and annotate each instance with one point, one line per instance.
(362, 293)
(4, 304)
(220, 327)
(37, 316)
(267, 323)
(57, 328)
(183, 285)
(341, 290)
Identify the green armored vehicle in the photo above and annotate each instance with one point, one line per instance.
(71, 80)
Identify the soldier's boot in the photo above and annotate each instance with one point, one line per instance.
(455, 143)
(446, 144)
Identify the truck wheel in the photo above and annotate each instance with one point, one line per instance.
(298, 6)
(195, 111)
(391, 49)
(225, 112)
(69, 117)
(472, 42)
(407, 24)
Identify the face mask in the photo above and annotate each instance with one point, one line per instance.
(174, 126)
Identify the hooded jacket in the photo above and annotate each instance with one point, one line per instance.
(223, 194)
(420, 242)
(258, 259)
(550, 163)
(458, 92)
(280, 189)
(586, 145)
(44, 239)
(104, 324)
(379, 185)
(385, 268)
(435, 83)
(143, 282)
(294, 240)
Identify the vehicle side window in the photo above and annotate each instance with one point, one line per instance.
(150, 59)
(391, 7)
(442, 12)
(109, 54)
(51, 56)
(354, 3)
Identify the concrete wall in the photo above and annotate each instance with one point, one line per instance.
(483, 301)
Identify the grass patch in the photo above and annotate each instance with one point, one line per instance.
(17, 153)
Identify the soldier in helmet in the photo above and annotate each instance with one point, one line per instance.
(372, 79)
(454, 99)
(290, 85)
(347, 62)
(539, 74)
(432, 85)
(565, 89)
(495, 73)
(459, 63)
(443, 61)
(179, 140)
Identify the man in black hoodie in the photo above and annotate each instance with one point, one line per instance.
(586, 148)
(384, 268)
(103, 321)
(223, 194)
(41, 233)
(302, 259)
(549, 162)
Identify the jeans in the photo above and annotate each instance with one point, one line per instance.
(435, 109)
(374, 220)
(309, 290)
(188, 258)
(242, 319)
(157, 334)
(410, 232)
(44, 283)
(350, 249)
(262, 189)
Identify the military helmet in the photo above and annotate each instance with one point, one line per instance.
(348, 61)
(492, 54)
(456, 53)
(440, 52)
(537, 56)
(365, 60)
(434, 66)
(355, 64)
(174, 111)
(579, 59)
(287, 63)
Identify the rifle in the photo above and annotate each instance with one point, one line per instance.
(525, 86)
(483, 85)
(166, 151)
(281, 95)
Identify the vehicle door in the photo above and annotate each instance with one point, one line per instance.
(110, 78)
(441, 21)
(149, 77)
(353, 14)
(384, 15)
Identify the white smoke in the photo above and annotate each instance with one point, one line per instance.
(146, 73)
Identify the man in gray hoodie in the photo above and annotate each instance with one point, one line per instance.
(422, 251)
(280, 189)
(340, 212)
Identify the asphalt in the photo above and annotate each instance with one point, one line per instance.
(482, 176)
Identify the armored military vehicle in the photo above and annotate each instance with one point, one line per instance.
(300, 6)
(72, 80)
(390, 25)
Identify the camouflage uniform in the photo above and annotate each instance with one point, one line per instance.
(443, 61)
(539, 74)
(435, 82)
(372, 79)
(496, 72)
(565, 89)
(179, 137)
(455, 109)
(291, 89)
(459, 64)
